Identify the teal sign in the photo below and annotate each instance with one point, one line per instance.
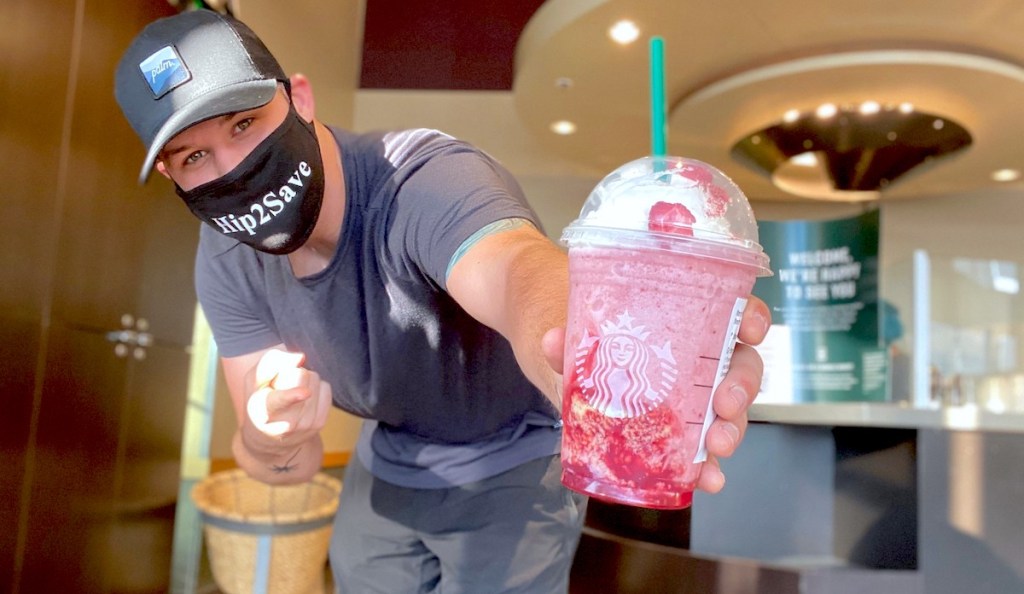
(825, 308)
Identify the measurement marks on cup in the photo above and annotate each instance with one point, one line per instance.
(731, 335)
(716, 364)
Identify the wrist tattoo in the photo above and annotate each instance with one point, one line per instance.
(287, 466)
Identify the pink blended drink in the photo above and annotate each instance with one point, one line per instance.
(660, 263)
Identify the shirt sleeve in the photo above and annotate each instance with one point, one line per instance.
(447, 196)
(489, 229)
(228, 299)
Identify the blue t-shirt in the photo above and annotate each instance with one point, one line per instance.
(445, 400)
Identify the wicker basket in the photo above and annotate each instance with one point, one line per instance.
(267, 539)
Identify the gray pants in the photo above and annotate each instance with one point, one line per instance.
(515, 532)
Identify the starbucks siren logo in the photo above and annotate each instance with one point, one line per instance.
(625, 376)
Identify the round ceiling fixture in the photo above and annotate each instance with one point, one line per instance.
(849, 152)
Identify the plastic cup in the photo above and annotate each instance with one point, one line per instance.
(661, 260)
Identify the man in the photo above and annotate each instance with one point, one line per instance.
(399, 276)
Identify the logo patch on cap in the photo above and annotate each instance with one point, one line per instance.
(165, 71)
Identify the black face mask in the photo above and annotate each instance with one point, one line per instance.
(271, 200)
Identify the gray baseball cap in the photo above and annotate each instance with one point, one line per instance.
(190, 67)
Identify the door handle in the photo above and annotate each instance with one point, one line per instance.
(133, 338)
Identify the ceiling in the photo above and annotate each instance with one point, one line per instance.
(731, 67)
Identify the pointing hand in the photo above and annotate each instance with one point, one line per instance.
(289, 399)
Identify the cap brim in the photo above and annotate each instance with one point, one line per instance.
(240, 97)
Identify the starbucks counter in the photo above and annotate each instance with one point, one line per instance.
(834, 498)
(873, 414)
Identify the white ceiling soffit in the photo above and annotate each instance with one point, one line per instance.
(735, 66)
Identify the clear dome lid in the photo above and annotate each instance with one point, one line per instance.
(670, 203)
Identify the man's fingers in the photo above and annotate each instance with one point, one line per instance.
(274, 362)
(725, 436)
(267, 405)
(276, 428)
(288, 398)
(283, 401)
(741, 384)
(290, 377)
(756, 320)
(257, 407)
(552, 344)
(711, 478)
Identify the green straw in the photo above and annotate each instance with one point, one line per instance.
(658, 125)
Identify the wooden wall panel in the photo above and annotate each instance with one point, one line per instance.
(89, 439)
(35, 51)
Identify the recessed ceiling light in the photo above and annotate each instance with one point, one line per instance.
(826, 110)
(563, 82)
(906, 107)
(1005, 175)
(563, 127)
(791, 116)
(624, 32)
(870, 107)
(808, 159)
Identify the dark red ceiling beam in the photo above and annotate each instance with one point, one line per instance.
(442, 44)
